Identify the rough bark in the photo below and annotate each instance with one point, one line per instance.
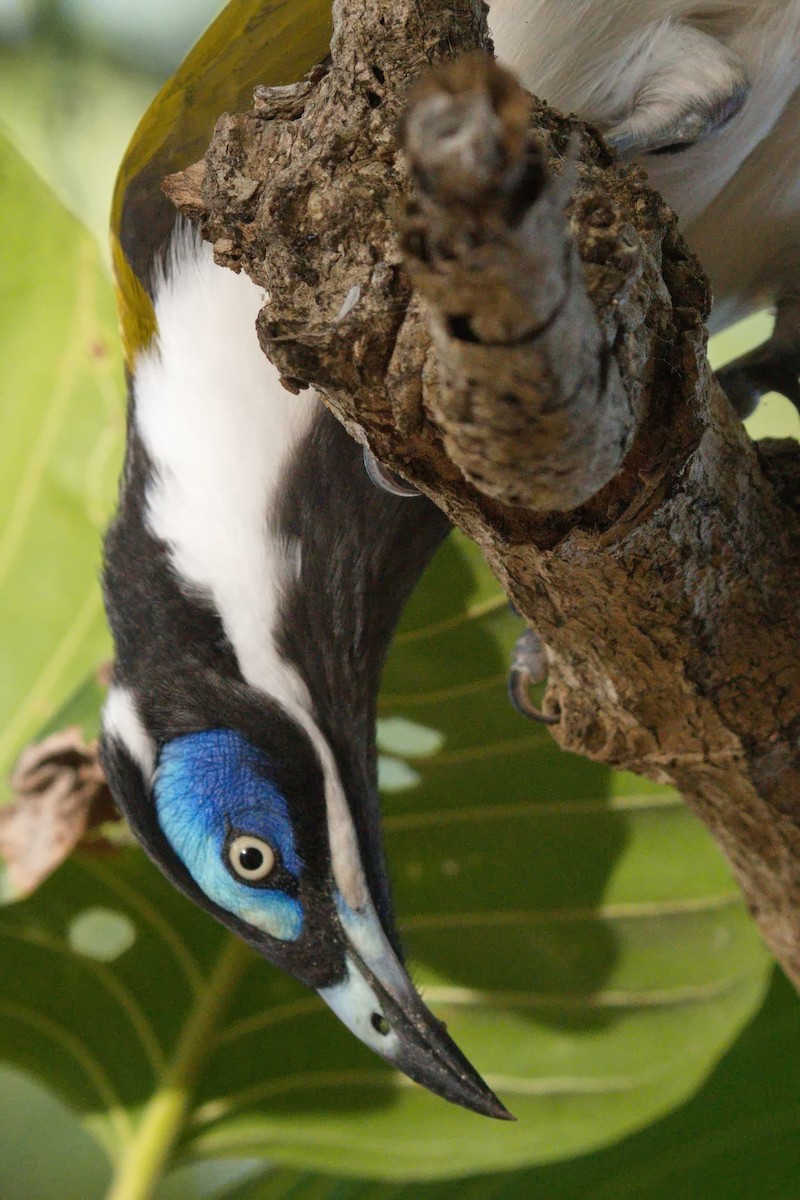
(547, 385)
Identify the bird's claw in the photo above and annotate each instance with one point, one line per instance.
(695, 86)
(385, 479)
(774, 366)
(528, 667)
(750, 377)
(673, 132)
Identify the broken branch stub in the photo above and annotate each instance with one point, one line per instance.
(303, 194)
(530, 401)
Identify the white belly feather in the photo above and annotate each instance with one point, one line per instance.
(738, 194)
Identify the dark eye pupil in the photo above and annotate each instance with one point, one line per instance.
(251, 858)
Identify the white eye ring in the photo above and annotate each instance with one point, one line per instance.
(251, 858)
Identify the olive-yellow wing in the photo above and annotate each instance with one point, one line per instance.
(269, 42)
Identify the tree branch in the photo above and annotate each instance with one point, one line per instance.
(561, 410)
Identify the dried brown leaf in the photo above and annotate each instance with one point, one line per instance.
(60, 793)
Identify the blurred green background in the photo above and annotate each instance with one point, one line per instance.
(75, 76)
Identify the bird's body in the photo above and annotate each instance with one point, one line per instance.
(737, 194)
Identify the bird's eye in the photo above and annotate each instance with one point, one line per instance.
(251, 858)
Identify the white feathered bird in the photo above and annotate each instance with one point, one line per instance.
(719, 79)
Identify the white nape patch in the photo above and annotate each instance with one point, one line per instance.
(121, 723)
(345, 857)
(220, 430)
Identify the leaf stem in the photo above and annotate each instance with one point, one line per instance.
(147, 1154)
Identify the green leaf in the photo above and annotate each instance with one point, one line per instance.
(61, 428)
(73, 1165)
(148, 35)
(576, 928)
(70, 114)
(738, 1139)
(81, 708)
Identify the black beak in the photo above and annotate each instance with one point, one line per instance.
(381, 1006)
(428, 1055)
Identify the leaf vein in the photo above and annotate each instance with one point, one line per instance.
(483, 609)
(642, 802)
(623, 910)
(85, 1059)
(151, 1046)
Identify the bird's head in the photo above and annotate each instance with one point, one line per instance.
(251, 819)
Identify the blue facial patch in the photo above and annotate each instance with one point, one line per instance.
(213, 784)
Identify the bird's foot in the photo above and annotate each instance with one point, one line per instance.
(528, 667)
(774, 366)
(693, 87)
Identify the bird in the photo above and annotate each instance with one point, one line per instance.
(256, 568)
(253, 575)
(705, 95)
